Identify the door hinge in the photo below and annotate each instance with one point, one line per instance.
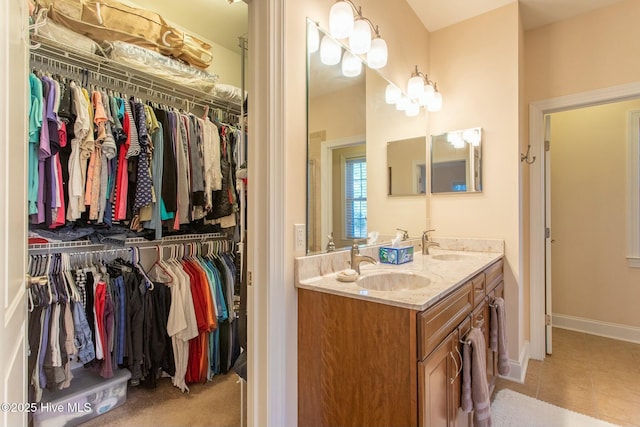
(249, 278)
(547, 319)
(547, 145)
(547, 233)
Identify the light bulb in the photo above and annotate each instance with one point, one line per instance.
(341, 20)
(472, 136)
(351, 65)
(436, 104)
(360, 38)
(403, 103)
(330, 51)
(377, 55)
(313, 38)
(413, 109)
(415, 87)
(392, 94)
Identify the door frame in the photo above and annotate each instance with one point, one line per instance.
(537, 111)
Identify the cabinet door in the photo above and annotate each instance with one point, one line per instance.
(434, 387)
(458, 416)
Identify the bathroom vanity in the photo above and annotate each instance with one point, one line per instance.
(370, 356)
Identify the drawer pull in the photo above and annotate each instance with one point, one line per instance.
(456, 363)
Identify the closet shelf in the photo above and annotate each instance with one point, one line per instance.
(85, 245)
(56, 58)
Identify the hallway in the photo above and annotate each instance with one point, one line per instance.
(593, 375)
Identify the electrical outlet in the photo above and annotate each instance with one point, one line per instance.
(299, 237)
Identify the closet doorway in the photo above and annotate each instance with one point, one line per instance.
(588, 211)
(225, 25)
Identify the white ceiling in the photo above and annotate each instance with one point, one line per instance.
(437, 14)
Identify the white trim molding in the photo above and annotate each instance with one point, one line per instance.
(596, 327)
(633, 189)
(518, 368)
(537, 110)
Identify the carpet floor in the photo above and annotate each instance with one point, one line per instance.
(214, 404)
(512, 409)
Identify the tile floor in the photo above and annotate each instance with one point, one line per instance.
(589, 374)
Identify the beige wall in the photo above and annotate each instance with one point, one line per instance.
(225, 63)
(476, 64)
(590, 276)
(591, 51)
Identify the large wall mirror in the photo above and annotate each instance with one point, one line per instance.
(349, 126)
(456, 161)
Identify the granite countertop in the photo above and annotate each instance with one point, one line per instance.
(445, 275)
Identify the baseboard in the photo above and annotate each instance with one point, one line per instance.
(518, 368)
(596, 327)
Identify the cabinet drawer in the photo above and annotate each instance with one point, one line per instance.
(479, 318)
(438, 321)
(493, 275)
(478, 285)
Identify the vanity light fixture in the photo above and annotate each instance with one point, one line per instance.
(344, 24)
(330, 51)
(424, 91)
(392, 94)
(313, 37)
(351, 65)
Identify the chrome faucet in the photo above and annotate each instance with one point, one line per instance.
(356, 258)
(426, 243)
(405, 234)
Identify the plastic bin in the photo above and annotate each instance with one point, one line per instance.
(90, 395)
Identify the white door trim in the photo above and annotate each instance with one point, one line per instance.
(537, 110)
(326, 182)
(268, 395)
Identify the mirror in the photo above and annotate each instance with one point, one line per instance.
(349, 125)
(407, 167)
(336, 153)
(456, 161)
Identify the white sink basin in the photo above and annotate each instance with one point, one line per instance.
(392, 281)
(450, 257)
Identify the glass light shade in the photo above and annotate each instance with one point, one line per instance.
(436, 104)
(412, 110)
(330, 51)
(392, 94)
(415, 87)
(472, 136)
(403, 103)
(351, 65)
(378, 54)
(341, 20)
(360, 38)
(455, 139)
(313, 38)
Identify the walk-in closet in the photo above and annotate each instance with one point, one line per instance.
(136, 195)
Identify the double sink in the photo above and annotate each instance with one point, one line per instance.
(394, 279)
(416, 285)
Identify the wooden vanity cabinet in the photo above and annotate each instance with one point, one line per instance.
(362, 363)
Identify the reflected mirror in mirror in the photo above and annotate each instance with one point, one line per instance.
(407, 167)
(336, 153)
(456, 161)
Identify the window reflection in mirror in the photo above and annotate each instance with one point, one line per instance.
(407, 167)
(456, 161)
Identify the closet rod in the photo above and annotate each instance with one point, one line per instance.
(63, 60)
